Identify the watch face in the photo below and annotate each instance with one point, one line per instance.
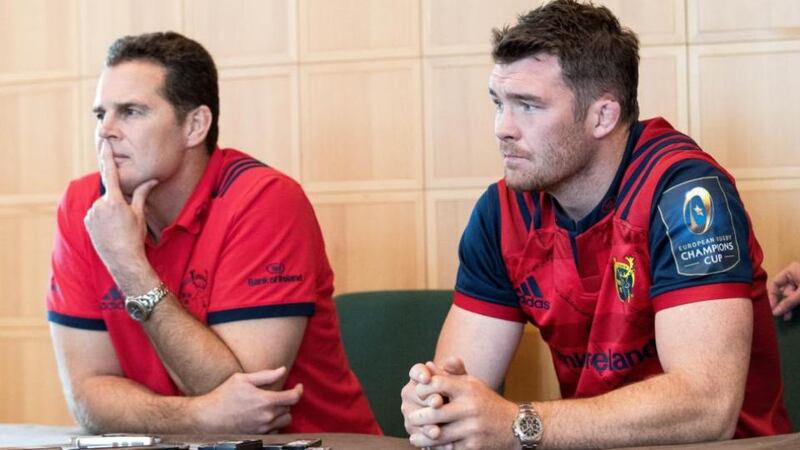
(135, 309)
(530, 427)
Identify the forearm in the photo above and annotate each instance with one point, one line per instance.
(190, 350)
(669, 408)
(109, 404)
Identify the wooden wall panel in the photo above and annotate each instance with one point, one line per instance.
(31, 390)
(40, 137)
(361, 126)
(656, 22)
(26, 237)
(744, 102)
(464, 26)
(374, 241)
(87, 153)
(460, 146)
(774, 223)
(244, 32)
(103, 21)
(259, 115)
(531, 375)
(358, 29)
(447, 214)
(38, 39)
(742, 20)
(663, 88)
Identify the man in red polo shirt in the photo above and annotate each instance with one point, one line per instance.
(190, 288)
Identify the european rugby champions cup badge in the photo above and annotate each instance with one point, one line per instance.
(700, 227)
(624, 277)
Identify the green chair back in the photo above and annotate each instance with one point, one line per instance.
(384, 334)
(789, 345)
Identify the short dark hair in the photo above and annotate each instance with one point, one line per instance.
(191, 76)
(597, 55)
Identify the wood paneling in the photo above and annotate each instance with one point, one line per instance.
(657, 22)
(464, 26)
(775, 220)
(259, 115)
(244, 32)
(358, 29)
(460, 146)
(744, 102)
(447, 214)
(30, 390)
(361, 126)
(26, 237)
(374, 241)
(39, 137)
(663, 87)
(742, 20)
(38, 39)
(103, 21)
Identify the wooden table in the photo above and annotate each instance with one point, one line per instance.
(33, 435)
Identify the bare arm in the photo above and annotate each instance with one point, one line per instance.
(103, 400)
(704, 349)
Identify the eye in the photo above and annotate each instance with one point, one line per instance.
(130, 112)
(99, 115)
(528, 107)
(498, 106)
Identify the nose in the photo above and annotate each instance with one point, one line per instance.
(107, 128)
(505, 128)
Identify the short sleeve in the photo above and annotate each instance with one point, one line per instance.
(699, 234)
(71, 300)
(482, 283)
(273, 261)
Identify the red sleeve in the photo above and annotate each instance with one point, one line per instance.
(485, 308)
(71, 299)
(700, 293)
(273, 262)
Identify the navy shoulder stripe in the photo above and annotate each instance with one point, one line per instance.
(76, 322)
(261, 312)
(232, 171)
(649, 152)
(523, 208)
(645, 175)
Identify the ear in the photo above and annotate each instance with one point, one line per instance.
(603, 116)
(196, 125)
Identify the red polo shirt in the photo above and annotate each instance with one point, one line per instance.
(246, 245)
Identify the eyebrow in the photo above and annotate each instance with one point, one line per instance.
(515, 96)
(121, 106)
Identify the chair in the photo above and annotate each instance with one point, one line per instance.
(384, 334)
(789, 345)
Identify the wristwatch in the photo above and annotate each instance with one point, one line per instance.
(141, 306)
(527, 426)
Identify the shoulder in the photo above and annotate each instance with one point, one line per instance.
(80, 194)
(243, 177)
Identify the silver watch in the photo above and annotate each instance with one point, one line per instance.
(141, 306)
(527, 426)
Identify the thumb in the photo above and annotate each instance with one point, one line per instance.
(140, 195)
(454, 366)
(266, 376)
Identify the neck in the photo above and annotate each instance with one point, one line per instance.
(582, 192)
(169, 197)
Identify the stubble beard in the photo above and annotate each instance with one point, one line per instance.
(559, 161)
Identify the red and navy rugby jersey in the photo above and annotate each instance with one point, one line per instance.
(246, 245)
(670, 230)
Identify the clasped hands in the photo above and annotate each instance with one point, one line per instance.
(446, 408)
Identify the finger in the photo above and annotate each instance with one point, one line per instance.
(282, 421)
(140, 195)
(266, 376)
(432, 431)
(420, 440)
(435, 401)
(454, 366)
(787, 304)
(420, 373)
(288, 397)
(108, 172)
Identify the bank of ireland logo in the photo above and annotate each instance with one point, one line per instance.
(625, 277)
(698, 210)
